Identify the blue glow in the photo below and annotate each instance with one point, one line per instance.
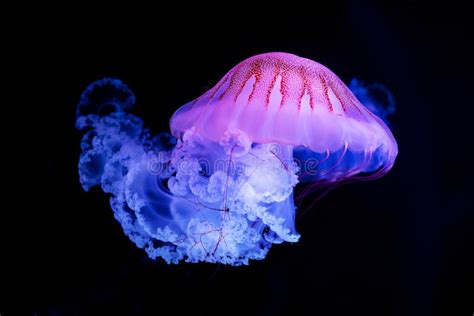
(375, 97)
(186, 199)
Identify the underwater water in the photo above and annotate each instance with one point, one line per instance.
(398, 245)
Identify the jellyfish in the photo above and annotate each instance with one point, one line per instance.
(220, 187)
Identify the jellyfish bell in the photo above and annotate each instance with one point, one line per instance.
(285, 99)
(221, 190)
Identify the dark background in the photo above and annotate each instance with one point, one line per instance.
(400, 245)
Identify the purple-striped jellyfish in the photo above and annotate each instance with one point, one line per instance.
(220, 189)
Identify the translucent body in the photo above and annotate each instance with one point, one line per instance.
(221, 189)
(283, 98)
